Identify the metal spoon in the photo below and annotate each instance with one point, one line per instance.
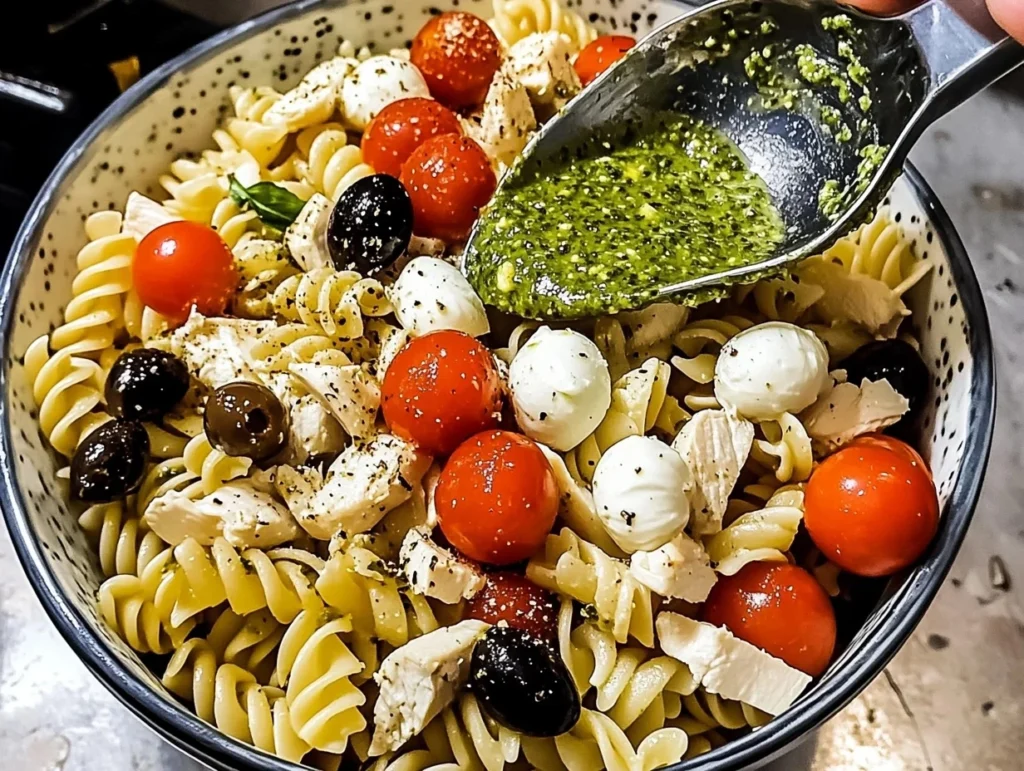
(921, 65)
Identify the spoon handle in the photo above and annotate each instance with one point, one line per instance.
(964, 49)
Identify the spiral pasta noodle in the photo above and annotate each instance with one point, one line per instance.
(125, 606)
(125, 546)
(334, 301)
(576, 568)
(785, 449)
(249, 641)
(700, 342)
(640, 403)
(96, 309)
(331, 165)
(314, 666)
(199, 471)
(262, 141)
(255, 714)
(515, 19)
(762, 535)
(262, 265)
(66, 390)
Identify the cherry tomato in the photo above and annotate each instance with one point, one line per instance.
(871, 507)
(600, 55)
(403, 126)
(182, 264)
(497, 498)
(440, 390)
(781, 609)
(896, 445)
(458, 54)
(519, 602)
(449, 179)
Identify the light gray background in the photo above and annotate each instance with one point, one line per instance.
(951, 700)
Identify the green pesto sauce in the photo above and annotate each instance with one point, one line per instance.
(602, 232)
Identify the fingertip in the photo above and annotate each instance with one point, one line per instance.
(1009, 14)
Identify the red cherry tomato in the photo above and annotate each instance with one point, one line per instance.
(440, 390)
(458, 54)
(781, 609)
(403, 126)
(519, 602)
(449, 179)
(600, 55)
(871, 507)
(497, 498)
(896, 445)
(182, 264)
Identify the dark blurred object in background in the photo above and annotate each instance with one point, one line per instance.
(62, 64)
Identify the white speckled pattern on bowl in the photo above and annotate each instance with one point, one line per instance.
(174, 111)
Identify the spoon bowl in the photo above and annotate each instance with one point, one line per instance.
(823, 102)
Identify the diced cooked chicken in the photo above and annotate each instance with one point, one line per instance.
(419, 680)
(507, 120)
(364, 483)
(542, 64)
(244, 515)
(306, 238)
(349, 393)
(312, 428)
(853, 296)
(715, 445)
(728, 666)
(681, 568)
(434, 571)
(143, 215)
(218, 350)
(847, 410)
(315, 99)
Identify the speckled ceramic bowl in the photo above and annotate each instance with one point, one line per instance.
(174, 110)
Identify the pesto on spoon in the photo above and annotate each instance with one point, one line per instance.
(599, 231)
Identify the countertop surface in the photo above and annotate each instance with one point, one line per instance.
(952, 699)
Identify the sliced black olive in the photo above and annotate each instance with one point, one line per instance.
(896, 361)
(371, 225)
(110, 462)
(146, 384)
(246, 419)
(522, 683)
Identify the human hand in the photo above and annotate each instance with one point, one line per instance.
(1009, 14)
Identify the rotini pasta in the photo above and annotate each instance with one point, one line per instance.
(762, 535)
(571, 566)
(699, 343)
(785, 449)
(334, 301)
(330, 164)
(125, 546)
(199, 471)
(515, 19)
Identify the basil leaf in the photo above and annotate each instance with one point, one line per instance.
(275, 206)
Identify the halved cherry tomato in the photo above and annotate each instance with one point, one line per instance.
(403, 126)
(600, 55)
(182, 264)
(519, 602)
(440, 390)
(871, 507)
(458, 54)
(781, 609)
(449, 179)
(497, 498)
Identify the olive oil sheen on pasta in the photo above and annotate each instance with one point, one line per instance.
(606, 225)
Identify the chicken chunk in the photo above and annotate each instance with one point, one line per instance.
(434, 571)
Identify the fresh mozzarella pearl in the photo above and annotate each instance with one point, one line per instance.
(770, 369)
(375, 84)
(430, 294)
(640, 487)
(560, 387)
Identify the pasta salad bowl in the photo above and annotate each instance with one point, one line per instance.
(251, 658)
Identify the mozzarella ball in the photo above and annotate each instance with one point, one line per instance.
(640, 487)
(770, 369)
(560, 387)
(375, 84)
(430, 294)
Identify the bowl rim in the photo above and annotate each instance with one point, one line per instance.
(186, 731)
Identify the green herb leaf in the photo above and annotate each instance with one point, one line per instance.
(274, 205)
